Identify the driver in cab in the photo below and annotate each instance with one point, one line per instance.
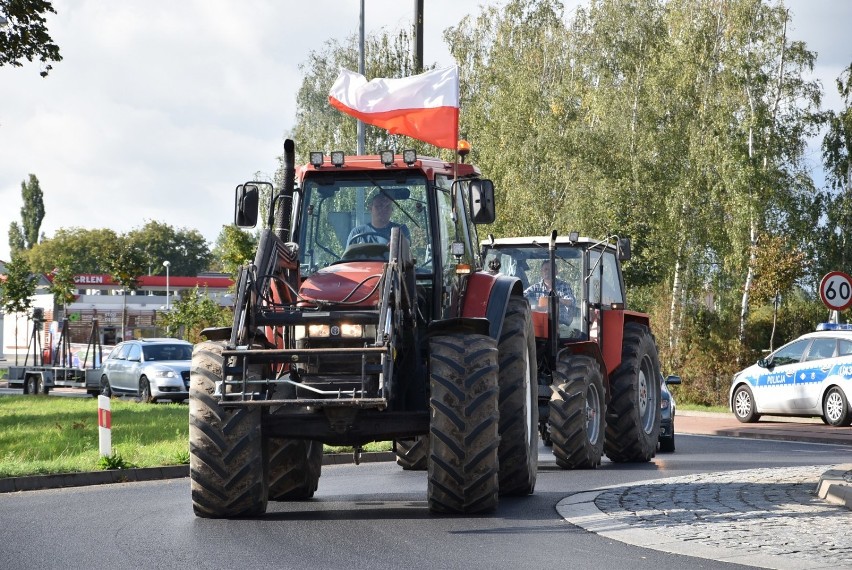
(378, 230)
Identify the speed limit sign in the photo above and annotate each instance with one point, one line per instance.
(835, 289)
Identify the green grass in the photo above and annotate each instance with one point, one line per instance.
(699, 408)
(44, 435)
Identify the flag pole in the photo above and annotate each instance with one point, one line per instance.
(361, 130)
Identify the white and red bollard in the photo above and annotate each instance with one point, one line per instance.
(104, 426)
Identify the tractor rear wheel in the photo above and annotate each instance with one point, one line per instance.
(518, 381)
(294, 467)
(576, 418)
(633, 417)
(226, 466)
(463, 436)
(412, 454)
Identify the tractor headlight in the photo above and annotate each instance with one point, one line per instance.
(318, 330)
(351, 331)
(336, 331)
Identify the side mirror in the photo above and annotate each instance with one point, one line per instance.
(246, 205)
(623, 249)
(672, 379)
(481, 201)
(765, 362)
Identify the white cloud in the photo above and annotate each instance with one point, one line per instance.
(160, 108)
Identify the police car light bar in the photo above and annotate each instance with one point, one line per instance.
(834, 327)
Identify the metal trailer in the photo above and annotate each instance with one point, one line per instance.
(60, 370)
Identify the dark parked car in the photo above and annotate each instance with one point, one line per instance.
(150, 369)
(667, 417)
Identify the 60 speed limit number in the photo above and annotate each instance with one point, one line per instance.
(835, 289)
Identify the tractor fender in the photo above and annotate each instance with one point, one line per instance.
(470, 325)
(613, 336)
(591, 349)
(487, 296)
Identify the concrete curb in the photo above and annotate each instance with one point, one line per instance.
(85, 479)
(835, 486)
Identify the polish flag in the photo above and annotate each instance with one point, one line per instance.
(424, 107)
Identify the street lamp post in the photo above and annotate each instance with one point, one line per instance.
(167, 264)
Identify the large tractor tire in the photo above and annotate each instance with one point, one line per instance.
(226, 465)
(518, 381)
(463, 437)
(577, 412)
(633, 417)
(294, 467)
(412, 454)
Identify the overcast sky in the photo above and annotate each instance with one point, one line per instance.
(159, 108)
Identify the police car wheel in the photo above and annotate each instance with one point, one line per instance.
(743, 405)
(835, 408)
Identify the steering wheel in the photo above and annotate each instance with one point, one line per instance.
(356, 237)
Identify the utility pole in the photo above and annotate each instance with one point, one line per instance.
(418, 36)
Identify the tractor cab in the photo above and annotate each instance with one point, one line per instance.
(577, 276)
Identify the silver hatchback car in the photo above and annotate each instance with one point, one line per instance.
(149, 369)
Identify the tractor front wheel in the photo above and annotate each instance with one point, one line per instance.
(412, 454)
(294, 467)
(633, 417)
(518, 381)
(576, 418)
(225, 447)
(463, 437)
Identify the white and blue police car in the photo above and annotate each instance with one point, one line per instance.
(811, 376)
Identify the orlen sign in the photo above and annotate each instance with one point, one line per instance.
(90, 279)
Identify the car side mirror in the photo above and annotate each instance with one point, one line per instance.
(246, 205)
(481, 201)
(765, 362)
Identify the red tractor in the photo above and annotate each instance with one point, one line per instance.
(598, 369)
(366, 316)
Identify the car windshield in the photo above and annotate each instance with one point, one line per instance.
(341, 213)
(790, 354)
(167, 352)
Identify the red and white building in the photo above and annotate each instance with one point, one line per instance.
(98, 297)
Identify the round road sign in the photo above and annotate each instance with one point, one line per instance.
(835, 290)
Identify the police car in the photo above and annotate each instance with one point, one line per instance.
(811, 376)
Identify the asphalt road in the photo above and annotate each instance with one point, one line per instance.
(368, 516)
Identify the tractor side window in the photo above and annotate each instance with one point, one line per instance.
(610, 283)
(594, 277)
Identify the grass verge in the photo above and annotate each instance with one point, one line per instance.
(42, 435)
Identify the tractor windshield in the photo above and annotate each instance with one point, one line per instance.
(350, 219)
(531, 265)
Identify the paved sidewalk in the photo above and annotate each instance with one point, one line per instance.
(769, 518)
(787, 518)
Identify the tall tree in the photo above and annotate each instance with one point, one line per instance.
(234, 248)
(25, 235)
(185, 249)
(836, 244)
(24, 34)
(191, 314)
(16, 291)
(125, 261)
(84, 250)
(319, 126)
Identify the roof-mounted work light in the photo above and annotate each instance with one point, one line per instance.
(316, 159)
(409, 156)
(387, 157)
(337, 158)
